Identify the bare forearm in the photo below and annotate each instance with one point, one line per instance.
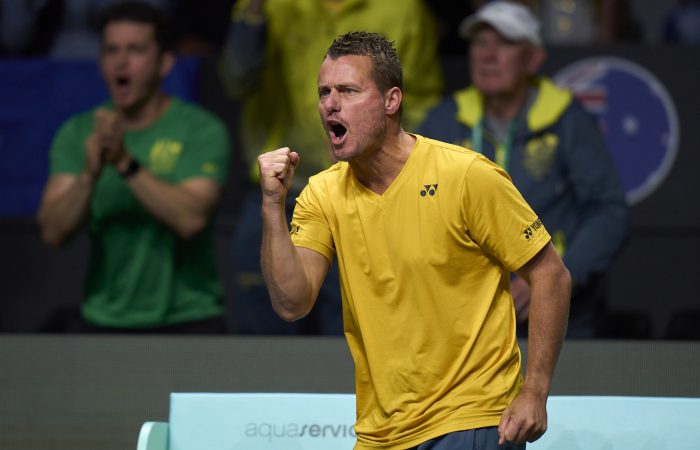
(183, 212)
(549, 309)
(62, 214)
(285, 277)
(525, 419)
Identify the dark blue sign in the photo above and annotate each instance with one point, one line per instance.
(637, 117)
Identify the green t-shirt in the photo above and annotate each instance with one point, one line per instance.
(141, 274)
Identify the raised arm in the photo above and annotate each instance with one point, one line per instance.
(243, 54)
(293, 275)
(525, 419)
(66, 198)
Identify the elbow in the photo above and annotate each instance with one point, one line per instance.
(288, 308)
(188, 228)
(50, 235)
(289, 315)
(565, 280)
(53, 240)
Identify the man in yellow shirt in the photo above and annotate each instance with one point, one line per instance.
(425, 234)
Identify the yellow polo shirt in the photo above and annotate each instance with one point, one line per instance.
(424, 272)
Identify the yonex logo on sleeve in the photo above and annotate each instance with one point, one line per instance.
(530, 231)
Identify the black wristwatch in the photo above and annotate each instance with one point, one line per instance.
(131, 169)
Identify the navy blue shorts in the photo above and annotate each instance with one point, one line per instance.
(477, 439)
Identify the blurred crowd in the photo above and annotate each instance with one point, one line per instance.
(266, 52)
(68, 28)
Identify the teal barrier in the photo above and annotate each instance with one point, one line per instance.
(325, 421)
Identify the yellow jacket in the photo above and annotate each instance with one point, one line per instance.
(281, 109)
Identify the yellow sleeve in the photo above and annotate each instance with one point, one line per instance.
(309, 227)
(498, 218)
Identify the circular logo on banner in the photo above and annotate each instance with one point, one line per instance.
(637, 117)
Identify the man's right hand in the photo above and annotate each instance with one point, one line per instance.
(276, 173)
(105, 144)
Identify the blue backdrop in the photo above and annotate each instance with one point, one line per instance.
(36, 96)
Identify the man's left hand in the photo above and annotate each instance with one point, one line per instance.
(525, 419)
(109, 130)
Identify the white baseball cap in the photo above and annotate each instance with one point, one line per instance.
(513, 20)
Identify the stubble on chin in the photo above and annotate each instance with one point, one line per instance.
(339, 155)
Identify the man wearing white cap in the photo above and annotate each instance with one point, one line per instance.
(551, 148)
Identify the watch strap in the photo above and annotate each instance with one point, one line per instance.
(131, 169)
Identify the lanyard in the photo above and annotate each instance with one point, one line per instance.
(502, 151)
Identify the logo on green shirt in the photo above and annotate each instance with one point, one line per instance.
(164, 155)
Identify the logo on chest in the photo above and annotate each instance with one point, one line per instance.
(539, 155)
(429, 189)
(164, 156)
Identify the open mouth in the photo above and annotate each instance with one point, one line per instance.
(122, 81)
(121, 88)
(337, 132)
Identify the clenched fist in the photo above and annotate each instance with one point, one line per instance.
(109, 135)
(276, 173)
